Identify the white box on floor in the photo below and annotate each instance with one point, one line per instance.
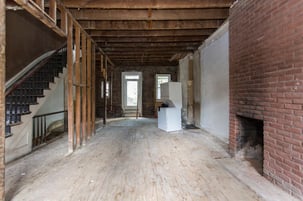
(172, 91)
(169, 119)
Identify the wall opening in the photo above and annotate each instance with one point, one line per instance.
(132, 93)
(250, 142)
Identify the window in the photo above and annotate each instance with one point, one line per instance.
(161, 78)
(107, 89)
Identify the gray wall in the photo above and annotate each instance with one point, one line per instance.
(183, 78)
(54, 103)
(214, 59)
(197, 88)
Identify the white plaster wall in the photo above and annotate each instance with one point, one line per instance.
(183, 78)
(54, 103)
(20, 143)
(214, 59)
(197, 88)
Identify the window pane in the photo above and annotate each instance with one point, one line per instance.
(132, 93)
(160, 80)
(132, 77)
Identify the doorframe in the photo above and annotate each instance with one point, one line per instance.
(123, 88)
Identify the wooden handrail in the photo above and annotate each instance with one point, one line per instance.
(31, 72)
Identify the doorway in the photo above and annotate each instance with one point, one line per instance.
(132, 93)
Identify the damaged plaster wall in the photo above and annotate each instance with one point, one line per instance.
(197, 88)
(186, 79)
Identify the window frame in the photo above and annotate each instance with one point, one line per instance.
(158, 87)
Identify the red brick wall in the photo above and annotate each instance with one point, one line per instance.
(266, 82)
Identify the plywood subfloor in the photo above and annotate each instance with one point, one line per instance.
(128, 160)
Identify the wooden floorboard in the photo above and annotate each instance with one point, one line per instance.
(128, 160)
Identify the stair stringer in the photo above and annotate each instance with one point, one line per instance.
(20, 143)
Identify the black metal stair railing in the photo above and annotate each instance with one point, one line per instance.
(40, 123)
(25, 91)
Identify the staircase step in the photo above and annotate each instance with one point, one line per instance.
(19, 100)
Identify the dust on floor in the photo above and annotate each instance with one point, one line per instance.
(129, 160)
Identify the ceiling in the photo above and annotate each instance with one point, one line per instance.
(149, 32)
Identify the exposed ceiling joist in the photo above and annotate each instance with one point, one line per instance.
(150, 39)
(142, 49)
(147, 4)
(150, 44)
(149, 32)
(153, 33)
(171, 14)
(151, 25)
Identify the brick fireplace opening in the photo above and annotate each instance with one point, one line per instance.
(250, 142)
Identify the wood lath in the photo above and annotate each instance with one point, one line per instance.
(146, 33)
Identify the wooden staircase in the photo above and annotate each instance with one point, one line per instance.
(25, 91)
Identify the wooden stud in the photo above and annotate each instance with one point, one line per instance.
(111, 90)
(2, 97)
(39, 14)
(70, 104)
(93, 89)
(40, 3)
(84, 91)
(63, 22)
(78, 90)
(53, 10)
(104, 90)
(89, 97)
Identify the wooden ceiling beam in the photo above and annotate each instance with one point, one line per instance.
(150, 44)
(118, 57)
(141, 49)
(146, 54)
(150, 39)
(147, 63)
(151, 25)
(153, 33)
(171, 14)
(147, 4)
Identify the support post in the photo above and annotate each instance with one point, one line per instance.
(63, 24)
(78, 90)
(93, 90)
(53, 10)
(2, 98)
(84, 91)
(40, 3)
(70, 104)
(104, 89)
(190, 92)
(89, 83)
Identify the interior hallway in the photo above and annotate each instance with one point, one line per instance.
(132, 160)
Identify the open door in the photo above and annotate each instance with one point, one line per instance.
(132, 93)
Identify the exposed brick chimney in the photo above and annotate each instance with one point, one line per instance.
(266, 83)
